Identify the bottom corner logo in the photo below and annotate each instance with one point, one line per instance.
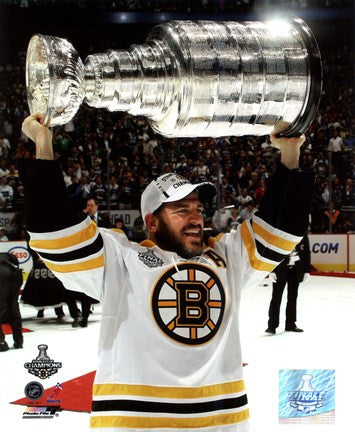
(307, 396)
(53, 397)
(34, 390)
(307, 399)
(41, 411)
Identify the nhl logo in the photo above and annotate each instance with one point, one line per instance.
(150, 259)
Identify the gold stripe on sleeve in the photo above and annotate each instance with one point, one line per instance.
(117, 230)
(213, 240)
(251, 249)
(168, 392)
(273, 239)
(168, 422)
(81, 266)
(70, 240)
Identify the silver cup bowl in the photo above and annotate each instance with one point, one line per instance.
(190, 78)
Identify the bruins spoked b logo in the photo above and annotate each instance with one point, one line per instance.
(188, 304)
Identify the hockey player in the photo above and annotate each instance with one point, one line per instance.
(169, 350)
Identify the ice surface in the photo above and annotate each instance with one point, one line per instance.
(326, 311)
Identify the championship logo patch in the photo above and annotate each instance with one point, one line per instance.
(188, 303)
(42, 366)
(307, 396)
(150, 259)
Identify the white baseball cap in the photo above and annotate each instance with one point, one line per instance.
(172, 187)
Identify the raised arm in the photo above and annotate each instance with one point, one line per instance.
(68, 242)
(286, 203)
(260, 244)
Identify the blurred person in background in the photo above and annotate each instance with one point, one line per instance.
(10, 284)
(101, 219)
(6, 194)
(120, 226)
(293, 270)
(234, 220)
(220, 218)
(247, 212)
(3, 236)
(138, 230)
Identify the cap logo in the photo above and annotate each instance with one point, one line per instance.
(180, 183)
(173, 180)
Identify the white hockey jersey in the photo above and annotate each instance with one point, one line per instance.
(169, 354)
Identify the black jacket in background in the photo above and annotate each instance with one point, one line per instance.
(302, 265)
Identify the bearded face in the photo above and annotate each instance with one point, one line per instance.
(187, 242)
(180, 227)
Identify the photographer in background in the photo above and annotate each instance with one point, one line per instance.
(293, 270)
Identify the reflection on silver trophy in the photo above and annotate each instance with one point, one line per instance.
(190, 79)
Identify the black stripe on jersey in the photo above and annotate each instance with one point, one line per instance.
(172, 408)
(269, 253)
(75, 254)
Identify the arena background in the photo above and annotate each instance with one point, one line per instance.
(95, 26)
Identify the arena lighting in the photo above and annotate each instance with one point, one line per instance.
(278, 26)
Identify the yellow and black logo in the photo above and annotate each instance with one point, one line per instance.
(188, 304)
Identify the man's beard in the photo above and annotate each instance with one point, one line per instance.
(167, 240)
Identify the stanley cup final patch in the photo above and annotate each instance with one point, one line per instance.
(307, 396)
(150, 259)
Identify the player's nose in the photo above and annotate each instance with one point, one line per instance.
(196, 217)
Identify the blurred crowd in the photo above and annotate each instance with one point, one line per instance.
(180, 5)
(111, 157)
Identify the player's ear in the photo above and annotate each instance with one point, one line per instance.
(151, 222)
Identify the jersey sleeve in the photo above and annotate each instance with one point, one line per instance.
(260, 244)
(69, 243)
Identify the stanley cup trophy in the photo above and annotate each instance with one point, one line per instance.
(190, 79)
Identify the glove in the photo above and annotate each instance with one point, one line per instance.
(272, 277)
(306, 277)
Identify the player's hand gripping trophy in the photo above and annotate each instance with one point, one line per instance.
(190, 79)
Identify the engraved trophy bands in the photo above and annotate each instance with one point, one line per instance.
(190, 79)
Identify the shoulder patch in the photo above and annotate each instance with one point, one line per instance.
(150, 259)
